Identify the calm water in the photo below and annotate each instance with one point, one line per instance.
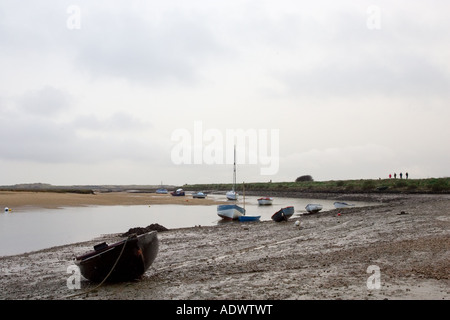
(29, 230)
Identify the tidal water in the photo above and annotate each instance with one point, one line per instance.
(33, 229)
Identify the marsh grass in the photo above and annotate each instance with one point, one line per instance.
(431, 185)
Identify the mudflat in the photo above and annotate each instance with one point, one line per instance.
(399, 249)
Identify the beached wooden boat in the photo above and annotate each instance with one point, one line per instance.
(339, 205)
(125, 260)
(313, 208)
(177, 193)
(249, 218)
(230, 211)
(283, 214)
(199, 195)
(265, 201)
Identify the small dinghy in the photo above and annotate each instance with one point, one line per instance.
(249, 218)
(125, 260)
(313, 208)
(339, 205)
(283, 214)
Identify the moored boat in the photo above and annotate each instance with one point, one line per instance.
(178, 193)
(125, 260)
(313, 208)
(283, 214)
(230, 211)
(265, 201)
(339, 205)
(199, 195)
(232, 195)
(248, 218)
(161, 190)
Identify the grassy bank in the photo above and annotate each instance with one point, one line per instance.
(431, 185)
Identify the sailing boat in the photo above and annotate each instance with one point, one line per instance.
(232, 194)
(162, 190)
(231, 211)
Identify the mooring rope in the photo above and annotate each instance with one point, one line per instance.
(106, 277)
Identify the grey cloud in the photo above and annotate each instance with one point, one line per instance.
(46, 101)
(127, 45)
(46, 140)
(398, 76)
(119, 121)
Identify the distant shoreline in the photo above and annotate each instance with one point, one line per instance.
(360, 186)
(29, 200)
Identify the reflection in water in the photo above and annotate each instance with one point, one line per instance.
(34, 229)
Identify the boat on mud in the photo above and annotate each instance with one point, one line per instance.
(313, 208)
(283, 214)
(230, 211)
(125, 260)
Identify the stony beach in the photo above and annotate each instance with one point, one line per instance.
(399, 249)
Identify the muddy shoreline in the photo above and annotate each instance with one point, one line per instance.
(331, 255)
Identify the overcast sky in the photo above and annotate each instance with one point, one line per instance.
(140, 92)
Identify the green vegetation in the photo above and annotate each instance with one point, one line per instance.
(44, 187)
(53, 190)
(431, 185)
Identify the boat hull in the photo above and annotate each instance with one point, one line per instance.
(232, 195)
(283, 214)
(313, 208)
(230, 211)
(199, 195)
(249, 218)
(339, 205)
(130, 259)
(265, 201)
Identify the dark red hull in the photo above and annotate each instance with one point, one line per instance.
(131, 257)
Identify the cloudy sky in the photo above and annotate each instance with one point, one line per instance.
(139, 92)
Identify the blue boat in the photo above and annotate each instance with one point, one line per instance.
(178, 193)
(249, 218)
(283, 214)
(161, 190)
(230, 211)
(199, 195)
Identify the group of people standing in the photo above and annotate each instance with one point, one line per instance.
(401, 175)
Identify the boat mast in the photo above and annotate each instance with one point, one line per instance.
(243, 191)
(234, 169)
